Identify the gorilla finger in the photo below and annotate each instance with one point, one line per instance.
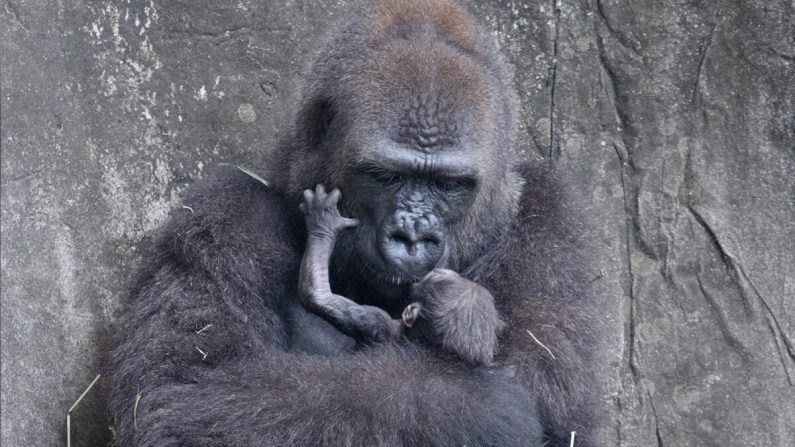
(308, 195)
(320, 190)
(302, 208)
(349, 223)
(334, 196)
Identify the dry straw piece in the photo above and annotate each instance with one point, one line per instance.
(74, 405)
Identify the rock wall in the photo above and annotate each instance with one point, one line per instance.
(678, 117)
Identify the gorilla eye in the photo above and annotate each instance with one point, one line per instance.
(454, 184)
(384, 177)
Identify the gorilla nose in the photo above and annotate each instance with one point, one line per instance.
(413, 245)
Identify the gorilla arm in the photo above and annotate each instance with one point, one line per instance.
(204, 358)
(544, 288)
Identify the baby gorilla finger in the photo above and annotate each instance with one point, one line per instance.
(334, 196)
(349, 223)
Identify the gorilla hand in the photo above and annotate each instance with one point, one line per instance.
(320, 211)
(455, 315)
(323, 223)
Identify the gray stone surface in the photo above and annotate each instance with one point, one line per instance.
(678, 117)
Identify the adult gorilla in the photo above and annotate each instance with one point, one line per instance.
(410, 112)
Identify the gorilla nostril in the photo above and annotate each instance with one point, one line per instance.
(414, 244)
(402, 238)
(431, 238)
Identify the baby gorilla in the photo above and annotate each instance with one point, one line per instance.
(460, 317)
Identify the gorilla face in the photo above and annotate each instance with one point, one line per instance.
(416, 133)
(406, 200)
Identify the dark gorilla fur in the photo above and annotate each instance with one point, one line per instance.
(217, 349)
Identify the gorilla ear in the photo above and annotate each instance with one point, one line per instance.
(317, 120)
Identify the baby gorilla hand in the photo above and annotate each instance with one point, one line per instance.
(374, 325)
(454, 315)
(323, 223)
(323, 219)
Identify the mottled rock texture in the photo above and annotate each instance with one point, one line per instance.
(677, 116)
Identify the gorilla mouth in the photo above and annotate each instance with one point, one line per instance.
(376, 270)
(383, 274)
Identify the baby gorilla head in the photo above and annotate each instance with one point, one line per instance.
(445, 307)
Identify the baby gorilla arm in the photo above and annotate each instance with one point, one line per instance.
(323, 223)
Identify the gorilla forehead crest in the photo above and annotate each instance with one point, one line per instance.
(424, 73)
(428, 93)
(431, 88)
(428, 123)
